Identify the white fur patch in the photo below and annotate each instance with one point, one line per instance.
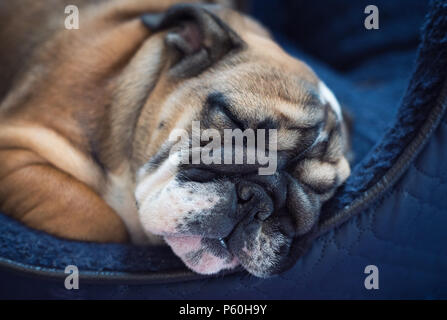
(118, 195)
(163, 209)
(164, 202)
(327, 96)
(166, 205)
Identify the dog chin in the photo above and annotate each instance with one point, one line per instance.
(192, 217)
(186, 214)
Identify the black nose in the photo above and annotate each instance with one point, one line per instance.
(254, 203)
(275, 186)
(259, 196)
(262, 239)
(264, 197)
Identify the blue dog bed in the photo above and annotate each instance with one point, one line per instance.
(391, 212)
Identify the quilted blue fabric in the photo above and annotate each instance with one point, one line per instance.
(403, 234)
(402, 231)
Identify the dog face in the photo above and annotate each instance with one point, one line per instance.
(223, 73)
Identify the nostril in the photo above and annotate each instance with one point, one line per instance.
(274, 185)
(254, 202)
(244, 192)
(263, 213)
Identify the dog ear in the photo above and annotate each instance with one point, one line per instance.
(198, 36)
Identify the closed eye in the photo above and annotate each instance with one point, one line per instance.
(216, 102)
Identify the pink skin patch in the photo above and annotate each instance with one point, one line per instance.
(196, 257)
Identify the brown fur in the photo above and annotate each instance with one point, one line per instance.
(82, 109)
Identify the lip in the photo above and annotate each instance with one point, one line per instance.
(197, 256)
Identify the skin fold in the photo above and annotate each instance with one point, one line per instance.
(86, 116)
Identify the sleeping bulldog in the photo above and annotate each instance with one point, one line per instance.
(129, 129)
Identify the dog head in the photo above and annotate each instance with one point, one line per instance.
(215, 199)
